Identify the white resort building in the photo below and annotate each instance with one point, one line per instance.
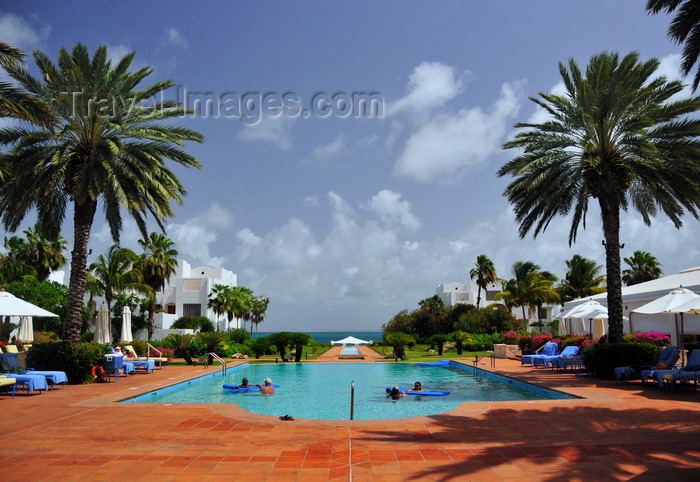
(467, 293)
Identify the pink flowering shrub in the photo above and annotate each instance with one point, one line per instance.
(653, 337)
(511, 338)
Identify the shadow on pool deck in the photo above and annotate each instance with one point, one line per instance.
(618, 431)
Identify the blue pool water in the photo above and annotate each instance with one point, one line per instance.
(322, 390)
(350, 350)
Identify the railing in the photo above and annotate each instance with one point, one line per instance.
(151, 347)
(352, 400)
(219, 359)
(486, 354)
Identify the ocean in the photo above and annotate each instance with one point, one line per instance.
(327, 336)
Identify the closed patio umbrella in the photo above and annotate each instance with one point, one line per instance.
(26, 329)
(126, 325)
(103, 333)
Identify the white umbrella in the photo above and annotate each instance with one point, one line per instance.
(103, 333)
(668, 303)
(10, 305)
(126, 325)
(692, 306)
(588, 310)
(26, 329)
(674, 302)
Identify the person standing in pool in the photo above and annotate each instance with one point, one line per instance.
(244, 383)
(267, 389)
(396, 393)
(417, 387)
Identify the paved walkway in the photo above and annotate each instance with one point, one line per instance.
(618, 432)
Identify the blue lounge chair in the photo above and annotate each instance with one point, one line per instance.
(550, 349)
(10, 362)
(553, 360)
(657, 375)
(30, 383)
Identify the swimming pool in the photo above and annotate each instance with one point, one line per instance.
(322, 390)
(350, 350)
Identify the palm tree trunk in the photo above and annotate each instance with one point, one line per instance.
(83, 216)
(611, 231)
(478, 296)
(151, 317)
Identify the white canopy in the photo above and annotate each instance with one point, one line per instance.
(350, 340)
(10, 305)
(103, 332)
(26, 329)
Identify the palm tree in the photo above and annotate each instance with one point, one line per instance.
(485, 274)
(643, 267)
(42, 253)
(219, 300)
(17, 103)
(108, 148)
(115, 273)
(157, 264)
(582, 279)
(615, 137)
(240, 304)
(258, 310)
(529, 287)
(685, 27)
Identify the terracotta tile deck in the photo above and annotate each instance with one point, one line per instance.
(618, 432)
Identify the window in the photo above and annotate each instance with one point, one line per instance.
(191, 310)
(192, 285)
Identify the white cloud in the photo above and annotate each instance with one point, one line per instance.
(450, 145)
(175, 38)
(276, 131)
(329, 151)
(248, 237)
(20, 33)
(430, 86)
(389, 207)
(311, 201)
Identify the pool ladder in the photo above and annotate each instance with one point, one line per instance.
(486, 354)
(219, 359)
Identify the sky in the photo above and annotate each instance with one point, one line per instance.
(344, 215)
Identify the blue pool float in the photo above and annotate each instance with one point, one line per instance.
(440, 363)
(236, 388)
(427, 393)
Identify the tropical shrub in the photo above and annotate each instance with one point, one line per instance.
(483, 341)
(601, 359)
(231, 349)
(653, 337)
(140, 347)
(197, 323)
(76, 360)
(45, 337)
(259, 346)
(239, 335)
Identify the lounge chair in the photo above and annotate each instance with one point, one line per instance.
(30, 383)
(553, 360)
(8, 384)
(52, 377)
(11, 349)
(160, 361)
(669, 357)
(549, 349)
(10, 363)
(658, 373)
(687, 373)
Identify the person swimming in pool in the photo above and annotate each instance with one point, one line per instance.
(395, 393)
(244, 383)
(267, 389)
(417, 387)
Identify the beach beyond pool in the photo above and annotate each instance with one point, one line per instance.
(615, 432)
